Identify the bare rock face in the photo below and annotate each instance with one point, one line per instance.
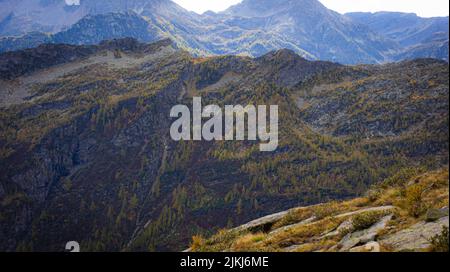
(416, 237)
(363, 236)
(263, 222)
(369, 247)
(373, 209)
(343, 227)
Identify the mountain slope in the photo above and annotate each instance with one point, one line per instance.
(319, 31)
(22, 16)
(418, 37)
(85, 151)
(18, 17)
(30, 40)
(406, 28)
(408, 212)
(94, 29)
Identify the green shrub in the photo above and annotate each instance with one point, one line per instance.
(373, 195)
(366, 220)
(326, 210)
(292, 217)
(413, 199)
(198, 243)
(439, 243)
(402, 177)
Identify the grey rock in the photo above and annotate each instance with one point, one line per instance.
(435, 214)
(375, 209)
(364, 236)
(344, 226)
(369, 247)
(292, 248)
(347, 225)
(416, 237)
(261, 222)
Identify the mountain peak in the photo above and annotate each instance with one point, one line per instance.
(282, 55)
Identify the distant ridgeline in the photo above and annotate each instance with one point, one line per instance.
(253, 27)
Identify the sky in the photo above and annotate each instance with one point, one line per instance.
(423, 8)
(73, 2)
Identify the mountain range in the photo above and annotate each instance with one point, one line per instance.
(252, 27)
(85, 148)
(86, 155)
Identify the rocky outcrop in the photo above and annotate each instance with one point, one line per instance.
(372, 209)
(357, 225)
(265, 222)
(364, 236)
(369, 247)
(436, 214)
(416, 237)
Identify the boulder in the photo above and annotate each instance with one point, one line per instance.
(436, 214)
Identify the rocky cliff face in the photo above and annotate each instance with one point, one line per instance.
(85, 152)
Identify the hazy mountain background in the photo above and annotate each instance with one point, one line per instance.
(418, 36)
(253, 27)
